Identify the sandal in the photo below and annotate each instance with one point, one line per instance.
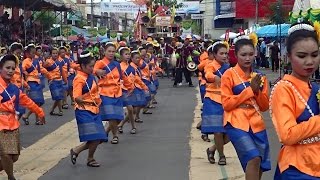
(151, 107)
(133, 131)
(54, 113)
(60, 113)
(138, 121)
(154, 102)
(222, 161)
(65, 106)
(146, 112)
(39, 122)
(205, 138)
(26, 121)
(73, 156)
(210, 156)
(120, 129)
(93, 163)
(115, 140)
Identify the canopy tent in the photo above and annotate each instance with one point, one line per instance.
(273, 30)
(307, 10)
(232, 35)
(74, 31)
(36, 5)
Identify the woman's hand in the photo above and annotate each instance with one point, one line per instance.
(80, 102)
(217, 81)
(255, 83)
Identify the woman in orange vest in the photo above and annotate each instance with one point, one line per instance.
(127, 88)
(55, 81)
(244, 94)
(39, 57)
(87, 98)
(11, 97)
(212, 114)
(153, 83)
(110, 81)
(32, 70)
(294, 107)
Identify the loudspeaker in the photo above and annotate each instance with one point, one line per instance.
(145, 19)
(174, 29)
(178, 19)
(151, 29)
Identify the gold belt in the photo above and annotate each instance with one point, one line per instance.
(245, 106)
(5, 113)
(89, 103)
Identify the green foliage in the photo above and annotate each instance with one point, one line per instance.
(193, 25)
(46, 18)
(168, 3)
(186, 24)
(93, 31)
(113, 34)
(279, 13)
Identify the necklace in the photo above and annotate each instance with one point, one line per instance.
(313, 139)
(254, 103)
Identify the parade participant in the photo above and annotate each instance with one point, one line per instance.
(64, 65)
(87, 98)
(154, 82)
(55, 81)
(31, 68)
(212, 114)
(294, 107)
(146, 78)
(110, 82)
(18, 78)
(244, 94)
(127, 88)
(11, 97)
(140, 88)
(39, 57)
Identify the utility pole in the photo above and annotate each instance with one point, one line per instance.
(91, 13)
(257, 11)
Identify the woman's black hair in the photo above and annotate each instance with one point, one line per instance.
(109, 45)
(142, 48)
(216, 48)
(62, 48)
(148, 45)
(29, 48)
(85, 60)
(242, 42)
(133, 53)
(15, 46)
(299, 35)
(206, 45)
(8, 57)
(53, 49)
(124, 50)
(38, 47)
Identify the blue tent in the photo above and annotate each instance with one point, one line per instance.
(273, 30)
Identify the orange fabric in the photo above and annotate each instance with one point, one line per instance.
(92, 96)
(64, 69)
(145, 72)
(54, 74)
(204, 56)
(138, 79)
(128, 79)
(286, 108)
(18, 80)
(211, 89)
(110, 84)
(8, 119)
(34, 75)
(239, 117)
(201, 67)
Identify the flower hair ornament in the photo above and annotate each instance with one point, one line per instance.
(252, 36)
(307, 27)
(89, 54)
(135, 51)
(122, 48)
(15, 44)
(218, 42)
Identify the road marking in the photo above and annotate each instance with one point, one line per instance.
(200, 168)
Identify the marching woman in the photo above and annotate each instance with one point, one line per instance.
(55, 78)
(244, 94)
(110, 81)
(32, 70)
(39, 57)
(294, 107)
(127, 88)
(212, 114)
(151, 60)
(87, 98)
(18, 78)
(11, 97)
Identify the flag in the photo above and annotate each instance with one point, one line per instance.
(137, 26)
(173, 14)
(226, 36)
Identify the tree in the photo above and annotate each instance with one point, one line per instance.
(279, 15)
(168, 3)
(46, 18)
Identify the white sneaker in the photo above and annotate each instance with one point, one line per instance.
(180, 84)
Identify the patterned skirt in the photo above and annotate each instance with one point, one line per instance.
(140, 96)
(152, 88)
(249, 145)
(111, 108)
(56, 89)
(128, 99)
(10, 142)
(70, 81)
(36, 93)
(292, 173)
(202, 91)
(212, 117)
(43, 81)
(90, 126)
(156, 83)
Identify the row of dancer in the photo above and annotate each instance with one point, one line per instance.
(234, 99)
(101, 90)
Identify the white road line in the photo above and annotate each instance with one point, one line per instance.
(200, 168)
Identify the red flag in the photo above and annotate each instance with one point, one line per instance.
(241, 31)
(137, 29)
(226, 36)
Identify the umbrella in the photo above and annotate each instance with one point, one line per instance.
(273, 30)
(59, 38)
(194, 36)
(232, 35)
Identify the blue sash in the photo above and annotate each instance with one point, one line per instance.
(89, 81)
(109, 67)
(35, 64)
(239, 88)
(13, 90)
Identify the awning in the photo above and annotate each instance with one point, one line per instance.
(273, 30)
(36, 5)
(222, 16)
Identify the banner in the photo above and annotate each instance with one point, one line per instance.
(93, 31)
(189, 7)
(163, 21)
(66, 30)
(102, 30)
(121, 7)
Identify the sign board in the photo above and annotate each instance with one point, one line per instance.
(189, 7)
(163, 21)
(197, 16)
(121, 7)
